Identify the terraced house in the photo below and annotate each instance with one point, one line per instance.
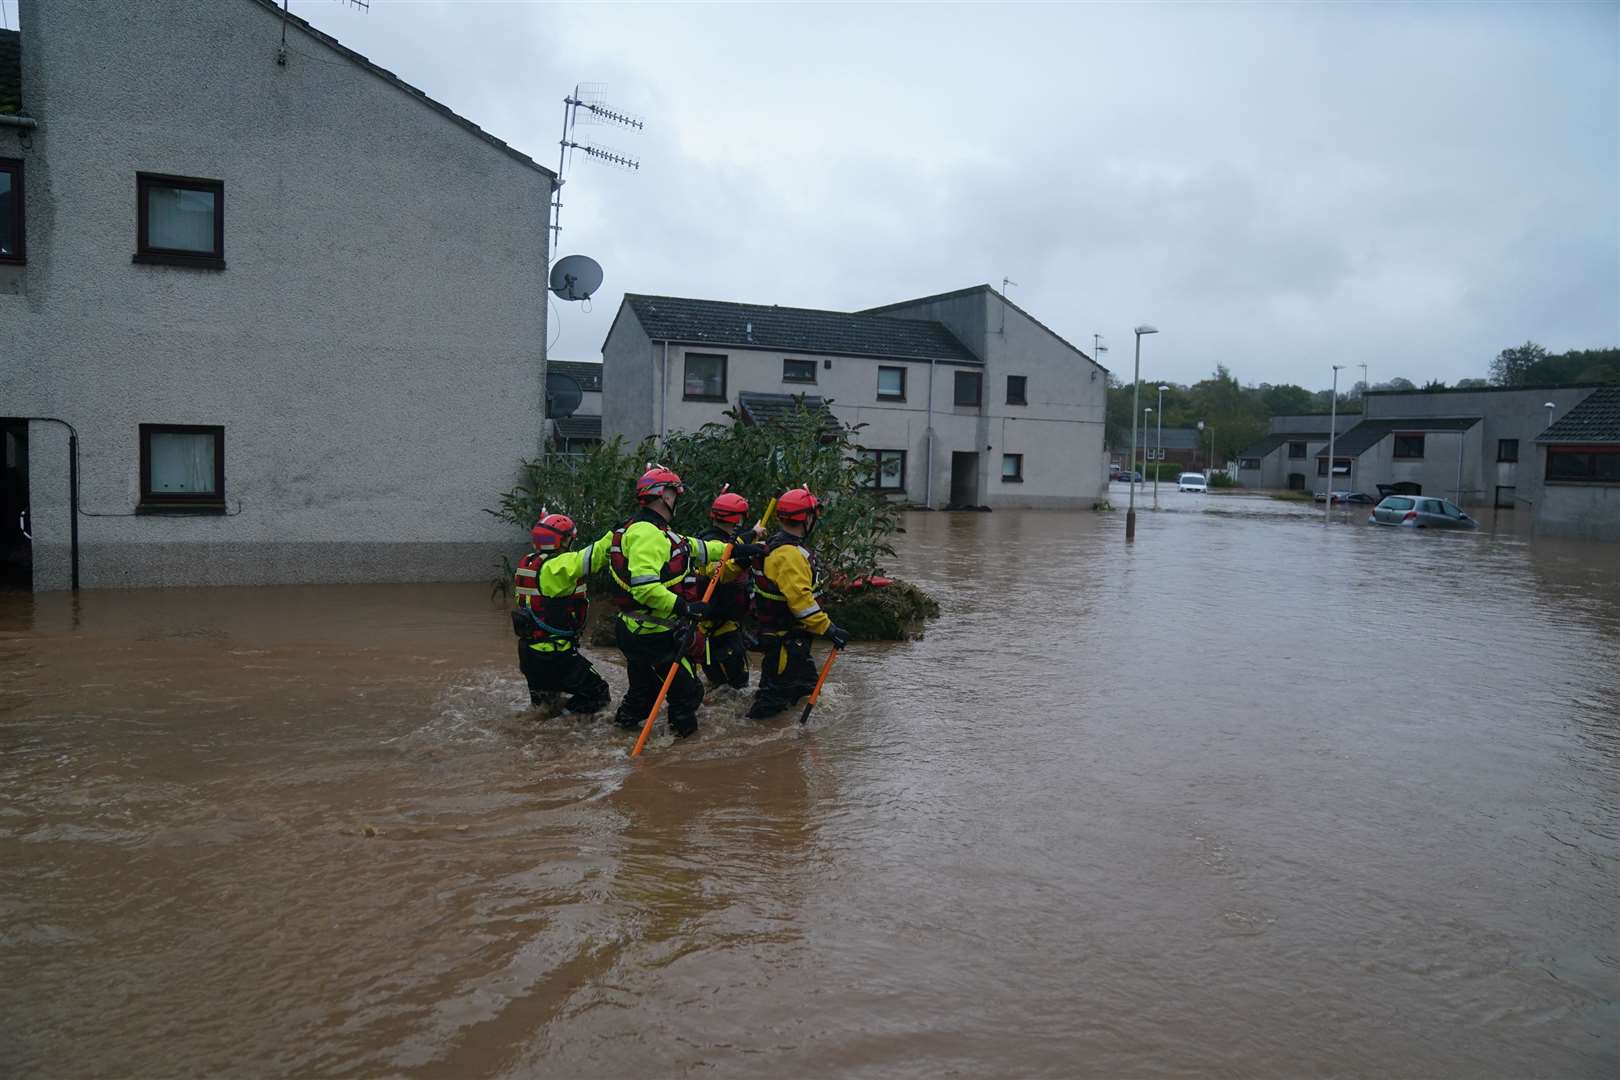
(223, 242)
(967, 400)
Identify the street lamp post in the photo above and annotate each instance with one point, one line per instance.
(1549, 406)
(1209, 467)
(1136, 403)
(1159, 463)
(1333, 432)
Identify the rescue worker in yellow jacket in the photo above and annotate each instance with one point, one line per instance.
(725, 659)
(786, 585)
(658, 593)
(549, 588)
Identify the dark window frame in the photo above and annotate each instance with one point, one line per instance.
(978, 389)
(19, 219)
(1504, 454)
(1250, 464)
(1408, 436)
(1321, 466)
(182, 502)
(901, 396)
(725, 370)
(1561, 458)
(1304, 450)
(147, 254)
(1017, 477)
(1022, 398)
(808, 364)
(877, 459)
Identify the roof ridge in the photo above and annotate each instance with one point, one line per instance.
(781, 307)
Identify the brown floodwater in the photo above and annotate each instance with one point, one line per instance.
(1258, 797)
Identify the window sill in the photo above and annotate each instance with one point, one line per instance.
(1018, 404)
(182, 509)
(13, 260)
(193, 262)
(893, 399)
(1012, 479)
(1581, 483)
(694, 397)
(801, 382)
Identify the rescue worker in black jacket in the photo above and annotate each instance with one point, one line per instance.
(786, 584)
(549, 590)
(726, 659)
(657, 590)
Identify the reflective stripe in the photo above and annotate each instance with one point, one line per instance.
(807, 612)
(699, 552)
(521, 591)
(585, 558)
(643, 579)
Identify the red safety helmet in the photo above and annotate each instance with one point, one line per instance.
(797, 506)
(654, 481)
(728, 508)
(553, 532)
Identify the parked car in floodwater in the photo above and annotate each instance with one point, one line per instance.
(1129, 477)
(1347, 498)
(1418, 512)
(1192, 481)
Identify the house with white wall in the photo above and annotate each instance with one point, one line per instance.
(289, 310)
(967, 400)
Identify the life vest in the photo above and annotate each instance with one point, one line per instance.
(732, 599)
(554, 618)
(771, 607)
(676, 574)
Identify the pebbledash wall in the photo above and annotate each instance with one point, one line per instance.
(373, 348)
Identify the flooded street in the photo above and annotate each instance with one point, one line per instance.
(1256, 797)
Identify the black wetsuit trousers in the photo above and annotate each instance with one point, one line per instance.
(646, 661)
(728, 660)
(565, 672)
(786, 673)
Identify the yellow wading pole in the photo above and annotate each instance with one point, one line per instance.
(663, 691)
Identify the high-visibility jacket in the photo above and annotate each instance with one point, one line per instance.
(650, 565)
(551, 586)
(786, 584)
(733, 595)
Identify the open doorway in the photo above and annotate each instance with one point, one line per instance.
(964, 478)
(16, 546)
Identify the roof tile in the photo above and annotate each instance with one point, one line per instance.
(1369, 433)
(1594, 419)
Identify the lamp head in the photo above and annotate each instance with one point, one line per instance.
(1146, 329)
(1548, 405)
(1162, 389)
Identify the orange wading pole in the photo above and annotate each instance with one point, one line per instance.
(663, 691)
(832, 654)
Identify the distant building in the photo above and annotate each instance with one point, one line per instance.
(1579, 461)
(582, 428)
(1187, 447)
(1285, 458)
(293, 307)
(966, 398)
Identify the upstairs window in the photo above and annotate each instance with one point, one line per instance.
(705, 377)
(182, 468)
(969, 386)
(1015, 390)
(1296, 449)
(798, 371)
(180, 221)
(12, 246)
(1507, 449)
(891, 384)
(1409, 447)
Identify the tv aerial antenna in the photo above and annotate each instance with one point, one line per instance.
(586, 106)
(281, 50)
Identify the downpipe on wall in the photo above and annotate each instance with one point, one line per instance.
(73, 488)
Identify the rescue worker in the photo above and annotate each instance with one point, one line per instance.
(786, 584)
(656, 587)
(725, 661)
(550, 615)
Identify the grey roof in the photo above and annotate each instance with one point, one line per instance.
(388, 76)
(1595, 419)
(1369, 433)
(1174, 438)
(758, 326)
(981, 289)
(10, 72)
(579, 427)
(587, 374)
(758, 408)
(1279, 438)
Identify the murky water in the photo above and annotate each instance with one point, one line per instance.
(1258, 797)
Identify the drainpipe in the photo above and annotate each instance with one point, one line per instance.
(1462, 437)
(928, 473)
(663, 394)
(73, 488)
(28, 122)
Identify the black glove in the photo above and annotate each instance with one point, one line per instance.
(837, 635)
(741, 553)
(690, 609)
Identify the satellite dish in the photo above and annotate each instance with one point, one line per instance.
(576, 277)
(562, 395)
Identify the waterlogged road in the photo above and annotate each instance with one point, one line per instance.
(1259, 797)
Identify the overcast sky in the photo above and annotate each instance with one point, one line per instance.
(1277, 187)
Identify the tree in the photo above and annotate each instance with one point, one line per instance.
(1473, 384)
(1435, 384)
(1512, 366)
(1286, 399)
